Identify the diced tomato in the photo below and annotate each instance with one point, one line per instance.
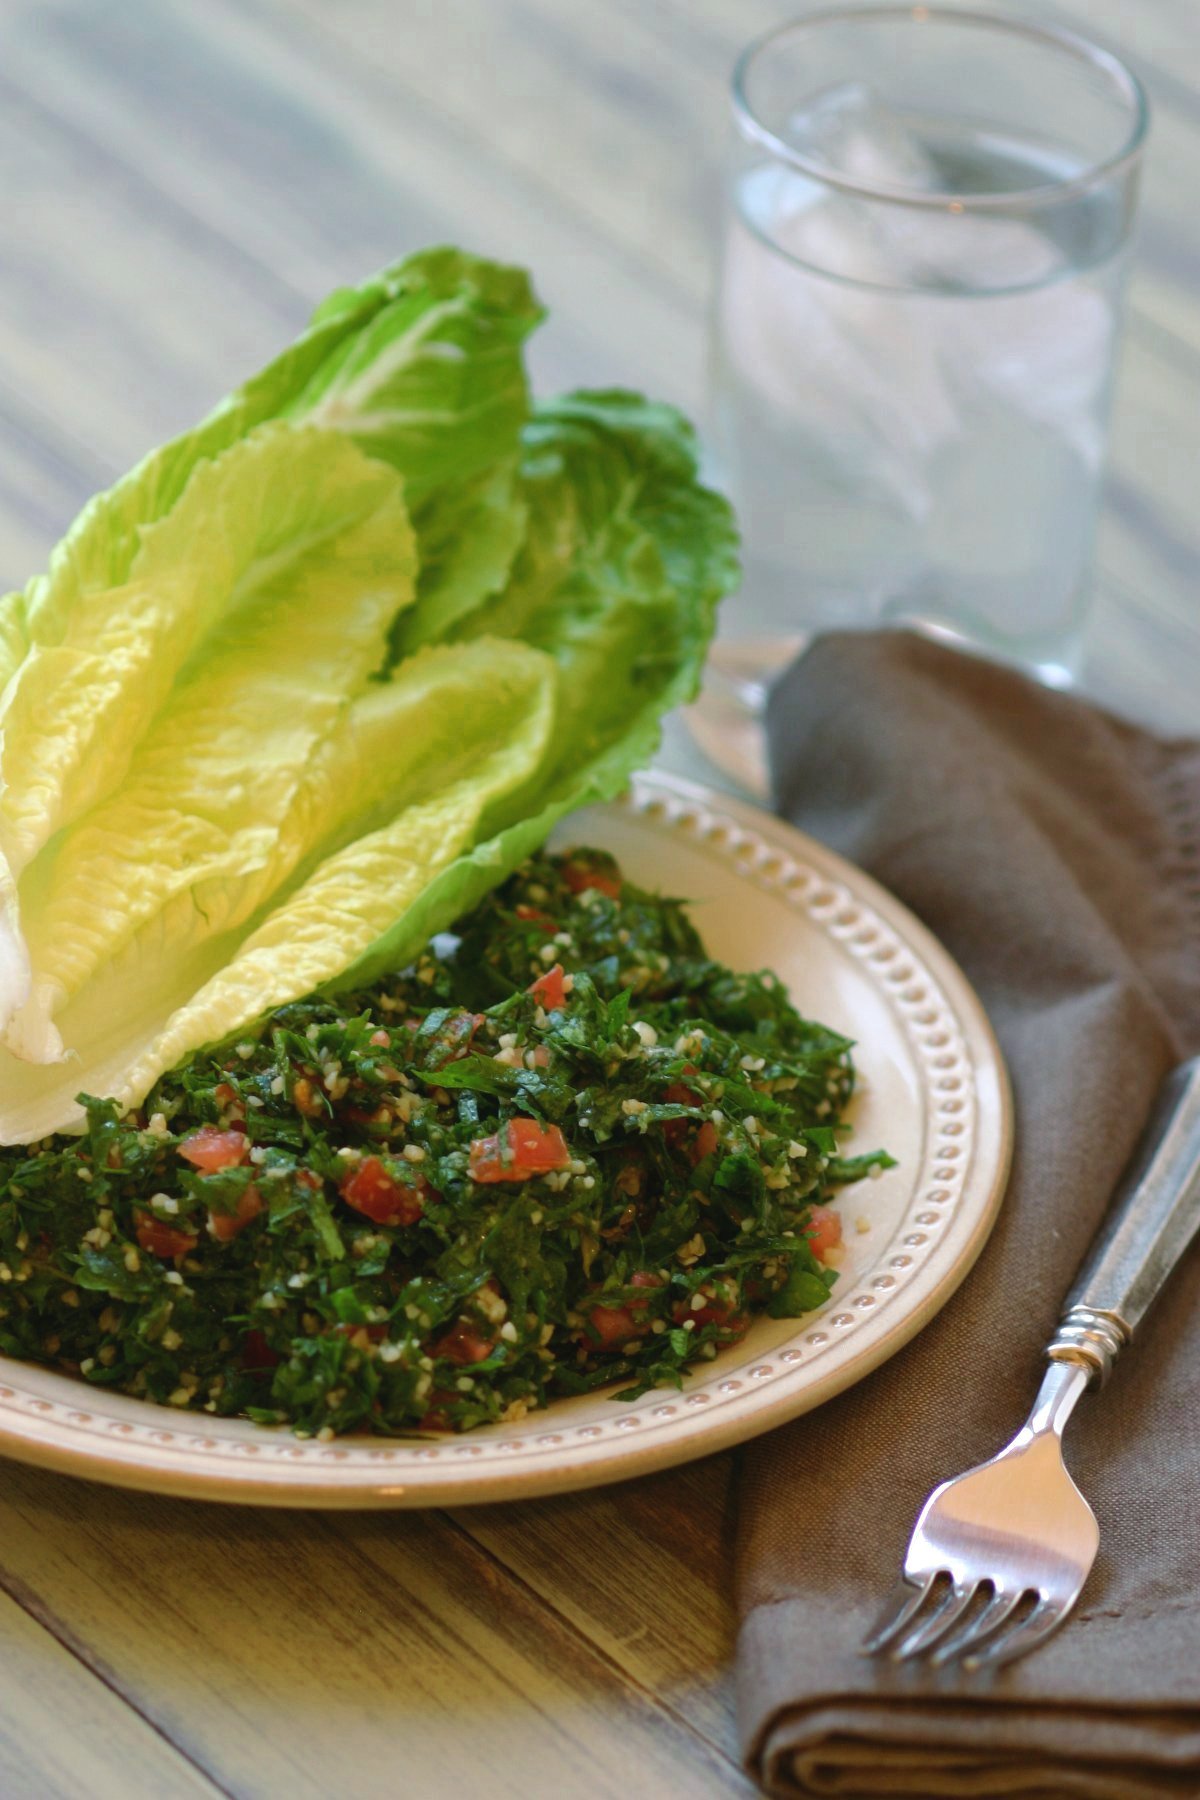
(548, 989)
(580, 875)
(823, 1231)
(162, 1240)
(486, 1160)
(464, 1343)
(256, 1352)
(384, 1198)
(615, 1325)
(211, 1150)
(530, 915)
(678, 1131)
(225, 1226)
(523, 1149)
(539, 1056)
(381, 1040)
(706, 1142)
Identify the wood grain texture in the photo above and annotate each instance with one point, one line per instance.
(386, 1654)
(182, 180)
(65, 1734)
(644, 1571)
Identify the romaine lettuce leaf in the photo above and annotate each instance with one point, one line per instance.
(354, 896)
(308, 557)
(469, 537)
(284, 507)
(13, 640)
(15, 972)
(432, 380)
(625, 560)
(445, 400)
(208, 806)
(394, 795)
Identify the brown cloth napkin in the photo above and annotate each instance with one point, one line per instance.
(1054, 850)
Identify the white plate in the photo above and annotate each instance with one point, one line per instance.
(932, 1090)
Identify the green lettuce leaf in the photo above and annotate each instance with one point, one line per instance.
(210, 802)
(353, 897)
(15, 970)
(394, 795)
(432, 380)
(469, 538)
(619, 578)
(284, 507)
(421, 365)
(14, 643)
(308, 557)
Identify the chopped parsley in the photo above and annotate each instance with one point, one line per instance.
(564, 1150)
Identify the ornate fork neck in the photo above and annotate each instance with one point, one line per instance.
(1064, 1381)
(1090, 1337)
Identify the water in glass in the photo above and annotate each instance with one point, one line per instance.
(910, 404)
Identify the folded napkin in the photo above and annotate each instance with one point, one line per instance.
(1056, 853)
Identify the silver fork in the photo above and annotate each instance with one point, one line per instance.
(999, 1556)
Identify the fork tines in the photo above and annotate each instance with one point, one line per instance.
(973, 1622)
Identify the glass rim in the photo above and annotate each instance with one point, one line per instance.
(1053, 193)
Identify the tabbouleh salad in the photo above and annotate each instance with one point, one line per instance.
(564, 1150)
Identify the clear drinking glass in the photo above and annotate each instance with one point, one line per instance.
(916, 317)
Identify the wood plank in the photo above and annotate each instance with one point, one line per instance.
(310, 1655)
(103, 324)
(64, 1734)
(1142, 660)
(576, 104)
(644, 1570)
(1149, 541)
(344, 169)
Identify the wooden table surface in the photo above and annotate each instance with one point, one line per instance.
(182, 180)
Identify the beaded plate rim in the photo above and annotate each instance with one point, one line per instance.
(55, 1421)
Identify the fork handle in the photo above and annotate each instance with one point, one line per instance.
(1153, 1218)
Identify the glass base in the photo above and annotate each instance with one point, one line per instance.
(726, 723)
(1057, 668)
